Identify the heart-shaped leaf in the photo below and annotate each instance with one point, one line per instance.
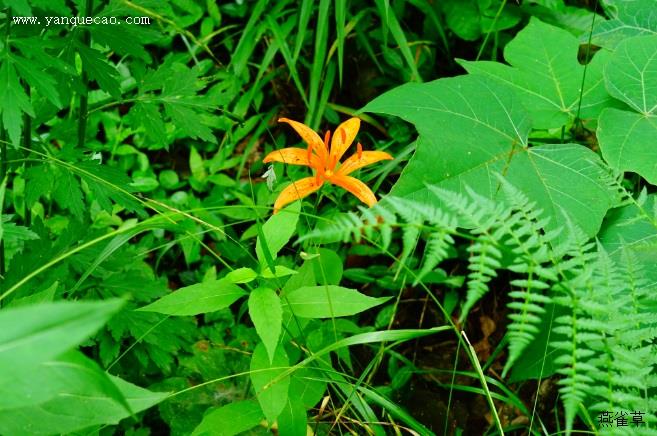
(472, 127)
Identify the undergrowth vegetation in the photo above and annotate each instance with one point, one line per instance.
(186, 248)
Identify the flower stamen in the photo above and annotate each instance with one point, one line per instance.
(324, 161)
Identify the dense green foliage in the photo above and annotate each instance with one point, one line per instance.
(146, 287)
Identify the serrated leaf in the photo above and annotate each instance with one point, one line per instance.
(267, 317)
(39, 79)
(13, 101)
(99, 69)
(19, 7)
(547, 75)
(188, 120)
(199, 298)
(271, 390)
(38, 182)
(67, 192)
(328, 301)
(627, 139)
(148, 114)
(221, 421)
(126, 42)
(108, 183)
(179, 99)
(484, 130)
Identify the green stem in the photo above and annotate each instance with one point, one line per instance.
(3, 153)
(84, 97)
(27, 143)
(3, 175)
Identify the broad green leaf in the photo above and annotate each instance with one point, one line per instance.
(278, 231)
(267, 315)
(82, 396)
(328, 301)
(632, 227)
(292, 420)
(629, 234)
(199, 298)
(538, 359)
(627, 139)
(547, 76)
(628, 19)
(242, 275)
(472, 127)
(631, 75)
(309, 385)
(469, 19)
(271, 389)
(196, 165)
(45, 296)
(279, 271)
(231, 419)
(33, 334)
(327, 267)
(144, 184)
(33, 385)
(462, 17)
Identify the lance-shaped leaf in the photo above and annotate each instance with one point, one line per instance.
(472, 127)
(69, 394)
(270, 385)
(328, 301)
(267, 316)
(202, 297)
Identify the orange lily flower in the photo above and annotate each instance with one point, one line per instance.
(324, 160)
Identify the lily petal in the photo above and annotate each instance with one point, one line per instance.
(294, 156)
(343, 136)
(309, 136)
(356, 187)
(355, 162)
(295, 191)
